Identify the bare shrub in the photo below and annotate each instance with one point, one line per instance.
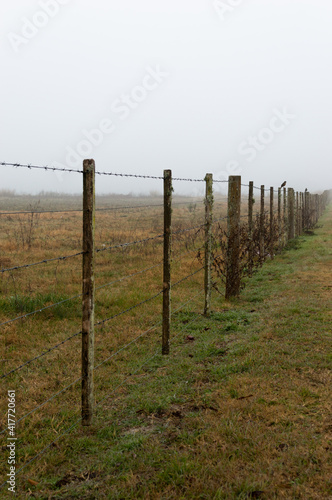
(27, 226)
(251, 257)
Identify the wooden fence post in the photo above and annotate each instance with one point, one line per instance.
(300, 213)
(262, 227)
(88, 291)
(297, 232)
(285, 216)
(320, 205)
(291, 219)
(313, 199)
(271, 223)
(208, 241)
(309, 211)
(279, 219)
(167, 260)
(317, 207)
(250, 227)
(312, 210)
(306, 210)
(233, 278)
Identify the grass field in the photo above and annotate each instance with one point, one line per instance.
(240, 409)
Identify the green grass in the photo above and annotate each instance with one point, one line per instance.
(240, 409)
(22, 304)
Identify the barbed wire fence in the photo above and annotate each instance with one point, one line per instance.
(232, 251)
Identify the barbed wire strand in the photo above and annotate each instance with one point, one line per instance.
(98, 209)
(45, 261)
(129, 344)
(43, 404)
(145, 301)
(187, 277)
(41, 310)
(131, 207)
(180, 231)
(174, 233)
(41, 355)
(201, 226)
(79, 210)
(39, 212)
(135, 176)
(129, 309)
(39, 167)
(128, 276)
(130, 243)
(156, 177)
(265, 189)
(178, 257)
(144, 333)
(143, 364)
(186, 303)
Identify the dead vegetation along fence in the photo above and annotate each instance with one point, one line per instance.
(252, 238)
(231, 253)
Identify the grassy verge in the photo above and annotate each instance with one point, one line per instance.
(240, 409)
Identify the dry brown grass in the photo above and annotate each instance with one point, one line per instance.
(251, 411)
(25, 290)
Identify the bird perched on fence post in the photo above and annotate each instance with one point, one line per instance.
(283, 184)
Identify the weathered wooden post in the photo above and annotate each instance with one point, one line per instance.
(271, 223)
(317, 207)
(279, 219)
(300, 213)
(88, 291)
(291, 219)
(306, 209)
(262, 227)
(233, 278)
(297, 218)
(167, 261)
(250, 228)
(303, 213)
(312, 211)
(285, 216)
(208, 242)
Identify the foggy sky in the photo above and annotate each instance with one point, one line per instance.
(196, 86)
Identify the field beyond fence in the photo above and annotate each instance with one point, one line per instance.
(94, 290)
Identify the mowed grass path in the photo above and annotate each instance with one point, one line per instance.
(240, 409)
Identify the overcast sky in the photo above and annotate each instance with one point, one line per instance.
(226, 87)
